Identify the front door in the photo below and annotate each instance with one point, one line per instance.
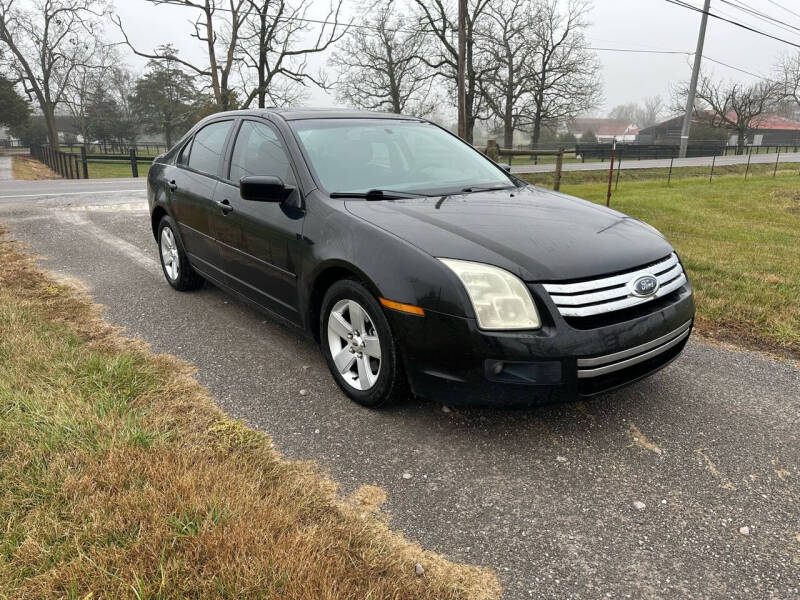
(192, 193)
(259, 241)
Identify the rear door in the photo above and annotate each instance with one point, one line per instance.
(260, 241)
(195, 179)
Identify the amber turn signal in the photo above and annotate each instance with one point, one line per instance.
(406, 308)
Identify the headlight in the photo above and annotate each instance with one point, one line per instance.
(500, 300)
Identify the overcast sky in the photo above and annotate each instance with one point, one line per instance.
(631, 24)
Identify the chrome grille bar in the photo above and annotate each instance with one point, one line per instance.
(607, 294)
(612, 362)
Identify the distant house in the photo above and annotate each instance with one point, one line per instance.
(606, 130)
(6, 139)
(766, 130)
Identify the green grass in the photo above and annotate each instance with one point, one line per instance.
(739, 240)
(662, 175)
(106, 170)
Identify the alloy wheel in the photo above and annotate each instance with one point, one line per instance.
(169, 254)
(354, 344)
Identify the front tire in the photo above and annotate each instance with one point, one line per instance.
(174, 263)
(359, 347)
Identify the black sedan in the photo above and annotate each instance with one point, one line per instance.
(414, 260)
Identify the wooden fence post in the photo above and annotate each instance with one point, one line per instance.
(747, 170)
(611, 173)
(559, 166)
(669, 175)
(493, 151)
(134, 166)
(777, 160)
(84, 162)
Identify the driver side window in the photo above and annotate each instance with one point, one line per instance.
(259, 151)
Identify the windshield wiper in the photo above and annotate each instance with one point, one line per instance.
(486, 188)
(377, 195)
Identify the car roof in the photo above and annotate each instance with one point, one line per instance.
(299, 113)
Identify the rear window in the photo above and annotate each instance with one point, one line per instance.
(208, 147)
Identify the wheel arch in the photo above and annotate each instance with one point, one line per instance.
(328, 274)
(159, 212)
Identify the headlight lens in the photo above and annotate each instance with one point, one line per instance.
(500, 300)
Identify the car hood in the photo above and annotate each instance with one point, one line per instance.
(538, 234)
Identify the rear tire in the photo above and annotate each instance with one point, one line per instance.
(174, 263)
(359, 347)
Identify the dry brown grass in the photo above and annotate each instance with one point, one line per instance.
(28, 168)
(119, 477)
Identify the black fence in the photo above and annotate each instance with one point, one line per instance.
(143, 148)
(650, 151)
(75, 164)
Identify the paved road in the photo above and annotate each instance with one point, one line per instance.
(701, 161)
(709, 445)
(5, 168)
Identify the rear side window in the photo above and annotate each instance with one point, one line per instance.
(259, 151)
(208, 147)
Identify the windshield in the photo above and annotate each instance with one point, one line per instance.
(358, 155)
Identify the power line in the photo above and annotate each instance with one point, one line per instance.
(635, 51)
(733, 22)
(791, 12)
(762, 16)
(594, 48)
(746, 72)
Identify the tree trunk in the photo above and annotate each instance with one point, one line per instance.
(740, 141)
(508, 117)
(262, 60)
(537, 131)
(168, 135)
(52, 128)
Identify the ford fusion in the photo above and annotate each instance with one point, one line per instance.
(415, 261)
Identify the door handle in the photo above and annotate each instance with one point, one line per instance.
(225, 206)
(172, 185)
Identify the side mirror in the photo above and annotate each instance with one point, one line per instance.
(505, 167)
(264, 188)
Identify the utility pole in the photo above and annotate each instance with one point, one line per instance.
(698, 58)
(462, 69)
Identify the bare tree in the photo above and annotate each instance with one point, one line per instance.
(789, 74)
(567, 82)
(651, 111)
(381, 67)
(215, 16)
(646, 114)
(46, 44)
(438, 18)
(275, 45)
(734, 105)
(84, 82)
(509, 45)
(624, 112)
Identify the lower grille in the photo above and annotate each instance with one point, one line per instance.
(609, 363)
(608, 294)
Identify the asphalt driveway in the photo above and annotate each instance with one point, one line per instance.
(684, 485)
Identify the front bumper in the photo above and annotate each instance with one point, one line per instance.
(448, 358)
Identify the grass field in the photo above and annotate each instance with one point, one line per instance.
(119, 478)
(105, 170)
(739, 240)
(27, 167)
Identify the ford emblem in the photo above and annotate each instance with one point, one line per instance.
(644, 286)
